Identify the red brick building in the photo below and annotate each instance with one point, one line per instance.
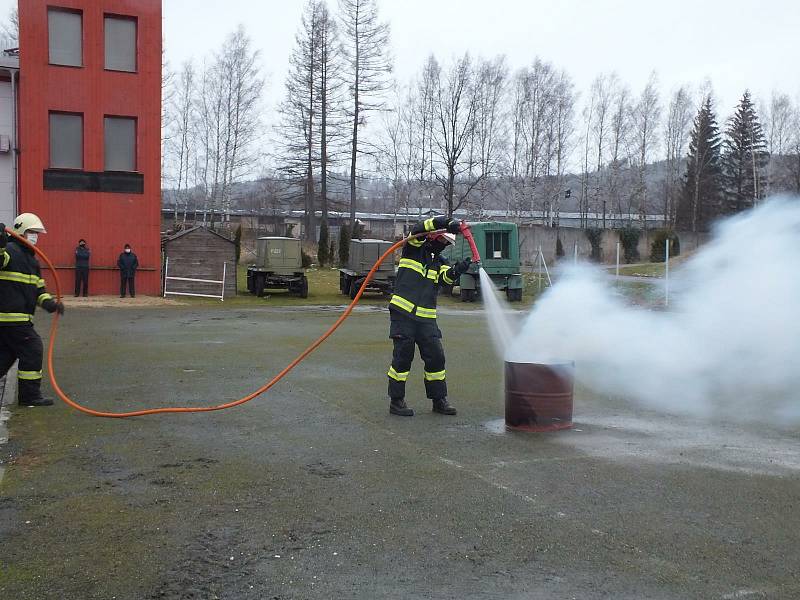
(90, 132)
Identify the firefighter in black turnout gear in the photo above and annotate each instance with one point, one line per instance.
(413, 314)
(21, 290)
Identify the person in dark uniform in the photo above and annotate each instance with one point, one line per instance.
(82, 254)
(21, 290)
(412, 312)
(127, 263)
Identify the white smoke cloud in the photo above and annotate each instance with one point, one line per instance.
(728, 347)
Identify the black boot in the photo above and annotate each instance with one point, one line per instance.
(29, 393)
(442, 406)
(398, 407)
(40, 401)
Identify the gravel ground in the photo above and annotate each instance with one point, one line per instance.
(314, 491)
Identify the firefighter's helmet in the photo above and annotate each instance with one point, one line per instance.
(28, 222)
(444, 238)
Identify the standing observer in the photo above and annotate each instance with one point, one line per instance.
(21, 290)
(412, 312)
(127, 263)
(82, 254)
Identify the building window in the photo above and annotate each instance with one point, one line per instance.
(120, 140)
(120, 43)
(65, 30)
(66, 141)
(497, 244)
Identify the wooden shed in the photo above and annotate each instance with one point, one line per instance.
(199, 253)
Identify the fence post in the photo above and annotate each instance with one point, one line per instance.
(224, 273)
(166, 274)
(666, 273)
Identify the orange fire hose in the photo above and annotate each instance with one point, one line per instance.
(156, 411)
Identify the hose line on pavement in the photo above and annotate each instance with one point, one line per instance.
(193, 409)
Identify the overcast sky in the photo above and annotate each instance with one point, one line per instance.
(738, 44)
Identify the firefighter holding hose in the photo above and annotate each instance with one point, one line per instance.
(412, 312)
(21, 290)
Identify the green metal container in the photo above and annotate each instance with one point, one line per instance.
(498, 245)
(279, 265)
(363, 255)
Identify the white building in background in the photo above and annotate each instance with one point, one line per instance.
(9, 78)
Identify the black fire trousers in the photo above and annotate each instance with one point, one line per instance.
(21, 342)
(130, 282)
(81, 281)
(406, 333)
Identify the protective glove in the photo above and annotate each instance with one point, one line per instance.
(454, 226)
(52, 306)
(462, 266)
(3, 235)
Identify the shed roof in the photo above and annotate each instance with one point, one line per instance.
(185, 232)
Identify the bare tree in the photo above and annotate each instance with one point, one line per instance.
(645, 116)
(620, 146)
(486, 146)
(9, 31)
(602, 92)
(780, 127)
(184, 128)
(563, 125)
(367, 68)
(455, 116)
(676, 141)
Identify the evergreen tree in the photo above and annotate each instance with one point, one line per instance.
(700, 201)
(745, 158)
(322, 252)
(344, 244)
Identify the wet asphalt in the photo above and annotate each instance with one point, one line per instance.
(314, 491)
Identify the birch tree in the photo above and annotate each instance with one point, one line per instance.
(645, 117)
(676, 139)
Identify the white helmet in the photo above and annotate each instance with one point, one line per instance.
(28, 222)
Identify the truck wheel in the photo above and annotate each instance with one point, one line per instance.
(259, 282)
(304, 288)
(355, 285)
(344, 284)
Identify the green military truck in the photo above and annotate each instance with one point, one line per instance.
(279, 265)
(498, 245)
(363, 255)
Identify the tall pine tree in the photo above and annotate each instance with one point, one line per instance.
(701, 199)
(745, 158)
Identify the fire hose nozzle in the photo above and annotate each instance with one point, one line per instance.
(467, 233)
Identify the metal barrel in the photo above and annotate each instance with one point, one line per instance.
(539, 396)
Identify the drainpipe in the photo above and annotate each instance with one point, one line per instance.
(14, 149)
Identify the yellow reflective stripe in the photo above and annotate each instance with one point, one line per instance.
(21, 278)
(6, 259)
(443, 271)
(433, 274)
(427, 313)
(429, 226)
(29, 375)
(416, 242)
(42, 298)
(407, 263)
(398, 376)
(14, 317)
(402, 303)
(439, 376)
